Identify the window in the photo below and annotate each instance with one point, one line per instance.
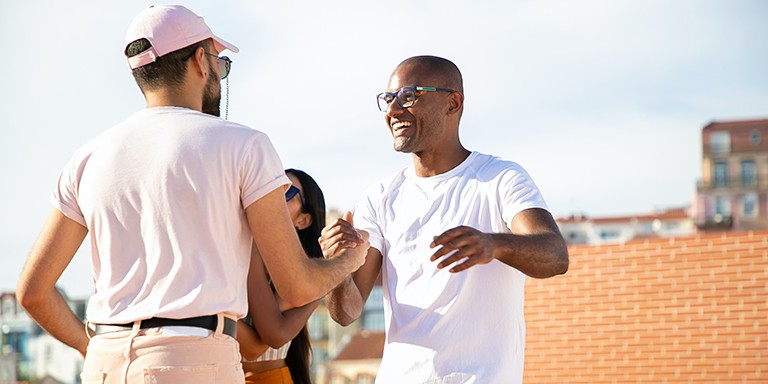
(749, 204)
(721, 174)
(748, 173)
(9, 308)
(722, 206)
(754, 136)
(373, 311)
(608, 234)
(318, 326)
(720, 142)
(365, 378)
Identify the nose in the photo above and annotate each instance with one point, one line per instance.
(394, 109)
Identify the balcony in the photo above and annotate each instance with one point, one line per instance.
(731, 183)
(716, 222)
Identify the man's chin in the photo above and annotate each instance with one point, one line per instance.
(401, 147)
(212, 108)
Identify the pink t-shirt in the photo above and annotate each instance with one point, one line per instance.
(163, 196)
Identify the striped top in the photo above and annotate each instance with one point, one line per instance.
(275, 354)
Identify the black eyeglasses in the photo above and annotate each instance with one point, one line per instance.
(405, 96)
(224, 63)
(291, 193)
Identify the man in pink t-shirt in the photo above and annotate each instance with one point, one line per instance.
(173, 199)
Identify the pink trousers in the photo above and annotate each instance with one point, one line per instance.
(160, 356)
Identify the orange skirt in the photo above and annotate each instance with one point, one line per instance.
(273, 376)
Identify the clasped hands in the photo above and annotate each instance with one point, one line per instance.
(462, 247)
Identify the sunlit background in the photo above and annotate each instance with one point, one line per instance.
(601, 101)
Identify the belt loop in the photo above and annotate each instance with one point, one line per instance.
(129, 348)
(87, 333)
(219, 324)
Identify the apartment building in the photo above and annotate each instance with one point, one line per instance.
(733, 191)
(580, 229)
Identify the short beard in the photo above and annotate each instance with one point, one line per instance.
(212, 97)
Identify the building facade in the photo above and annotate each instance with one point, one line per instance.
(580, 229)
(733, 191)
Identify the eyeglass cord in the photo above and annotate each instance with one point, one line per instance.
(226, 106)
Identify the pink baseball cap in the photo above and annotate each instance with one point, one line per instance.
(169, 28)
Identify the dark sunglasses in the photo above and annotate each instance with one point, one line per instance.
(224, 63)
(291, 193)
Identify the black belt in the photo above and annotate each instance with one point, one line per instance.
(208, 322)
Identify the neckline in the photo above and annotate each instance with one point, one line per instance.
(443, 176)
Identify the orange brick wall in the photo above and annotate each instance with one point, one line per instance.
(682, 310)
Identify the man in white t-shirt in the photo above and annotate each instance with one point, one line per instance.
(453, 235)
(173, 199)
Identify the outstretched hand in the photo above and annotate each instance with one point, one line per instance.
(341, 235)
(468, 243)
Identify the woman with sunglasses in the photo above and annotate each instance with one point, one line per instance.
(274, 343)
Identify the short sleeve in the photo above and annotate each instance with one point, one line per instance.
(365, 218)
(518, 192)
(261, 169)
(65, 195)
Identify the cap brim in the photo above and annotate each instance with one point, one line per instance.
(222, 44)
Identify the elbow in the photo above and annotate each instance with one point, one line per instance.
(297, 298)
(344, 321)
(342, 317)
(560, 266)
(294, 295)
(276, 339)
(28, 297)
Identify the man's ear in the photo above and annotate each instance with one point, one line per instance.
(199, 62)
(303, 221)
(455, 102)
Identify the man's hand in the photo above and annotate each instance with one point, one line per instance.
(341, 235)
(468, 243)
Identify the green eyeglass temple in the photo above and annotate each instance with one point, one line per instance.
(433, 89)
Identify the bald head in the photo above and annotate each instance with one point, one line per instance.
(444, 72)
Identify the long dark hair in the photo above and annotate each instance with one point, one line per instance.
(300, 351)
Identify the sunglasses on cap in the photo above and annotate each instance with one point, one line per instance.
(291, 193)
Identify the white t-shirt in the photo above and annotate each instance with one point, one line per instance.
(163, 196)
(444, 327)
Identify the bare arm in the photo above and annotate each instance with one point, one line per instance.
(297, 278)
(274, 326)
(345, 302)
(535, 246)
(36, 291)
(251, 345)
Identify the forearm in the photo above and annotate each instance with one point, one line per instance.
(539, 255)
(251, 344)
(293, 321)
(36, 290)
(322, 275)
(345, 304)
(51, 311)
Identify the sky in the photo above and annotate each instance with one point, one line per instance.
(602, 101)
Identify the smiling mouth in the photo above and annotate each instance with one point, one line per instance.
(400, 125)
